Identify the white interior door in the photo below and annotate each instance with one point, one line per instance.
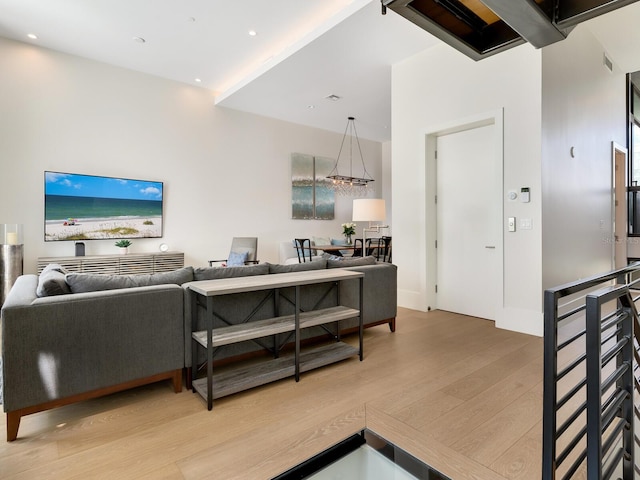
(469, 223)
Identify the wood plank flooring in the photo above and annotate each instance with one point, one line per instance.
(452, 390)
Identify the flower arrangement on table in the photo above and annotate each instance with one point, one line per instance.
(348, 229)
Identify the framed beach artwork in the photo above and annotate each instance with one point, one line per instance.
(312, 197)
(90, 207)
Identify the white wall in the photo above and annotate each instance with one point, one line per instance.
(225, 173)
(440, 87)
(583, 106)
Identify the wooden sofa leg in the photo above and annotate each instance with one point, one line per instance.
(177, 380)
(13, 423)
(392, 324)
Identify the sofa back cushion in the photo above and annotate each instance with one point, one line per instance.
(298, 267)
(52, 281)
(91, 282)
(214, 273)
(351, 262)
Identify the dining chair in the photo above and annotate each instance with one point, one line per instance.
(380, 248)
(374, 247)
(303, 248)
(358, 247)
(387, 249)
(243, 252)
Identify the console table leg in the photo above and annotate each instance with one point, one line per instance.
(297, 320)
(209, 353)
(361, 326)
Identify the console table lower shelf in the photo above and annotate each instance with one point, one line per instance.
(229, 381)
(237, 379)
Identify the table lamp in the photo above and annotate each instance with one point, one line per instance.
(369, 210)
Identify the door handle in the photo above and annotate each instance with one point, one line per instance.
(490, 246)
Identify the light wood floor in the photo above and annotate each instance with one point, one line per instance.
(452, 390)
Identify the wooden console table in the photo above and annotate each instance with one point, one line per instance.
(118, 264)
(243, 378)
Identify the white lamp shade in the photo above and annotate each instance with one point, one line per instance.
(369, 210)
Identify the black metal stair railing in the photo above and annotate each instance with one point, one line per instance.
(591, 358)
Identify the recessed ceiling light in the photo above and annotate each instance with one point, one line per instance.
(198, 80)
(253, 33)
(138, 39)
(32, 36)
(333, 98)
(311, 107)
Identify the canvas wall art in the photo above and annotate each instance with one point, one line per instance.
(311, 194)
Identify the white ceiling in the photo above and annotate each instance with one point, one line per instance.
(304, 50)
(619, 32)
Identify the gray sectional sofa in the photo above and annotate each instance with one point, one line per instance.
(70, 337)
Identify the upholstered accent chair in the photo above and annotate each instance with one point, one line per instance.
(243, 252)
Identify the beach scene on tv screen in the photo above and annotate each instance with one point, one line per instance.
(87, 207)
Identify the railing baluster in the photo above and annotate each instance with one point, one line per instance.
(594, 397)
(608, 425)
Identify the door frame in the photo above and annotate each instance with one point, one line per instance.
(618, 192)
(493, 117)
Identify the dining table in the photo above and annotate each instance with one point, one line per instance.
(336, 250)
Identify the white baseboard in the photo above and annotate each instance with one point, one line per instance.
(519, 320)
(413, 300)
(523, 321)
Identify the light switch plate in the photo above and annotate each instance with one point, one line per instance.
(512, 224)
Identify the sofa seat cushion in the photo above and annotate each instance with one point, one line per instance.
(52, 281)
(351, 262)
(214, 273)
(92, 282)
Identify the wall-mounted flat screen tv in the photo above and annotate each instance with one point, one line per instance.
(88, 207)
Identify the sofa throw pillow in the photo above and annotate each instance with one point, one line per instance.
(237, 259)
(213, 273)
(92, 282)
(297, 267)
(351, 262)
(52, 281)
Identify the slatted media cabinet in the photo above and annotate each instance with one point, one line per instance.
(242, 378)
(130, 263)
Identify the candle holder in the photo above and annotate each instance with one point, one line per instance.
(11, 234)
(11, 257)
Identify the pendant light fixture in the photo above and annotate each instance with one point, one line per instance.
(349, 185)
